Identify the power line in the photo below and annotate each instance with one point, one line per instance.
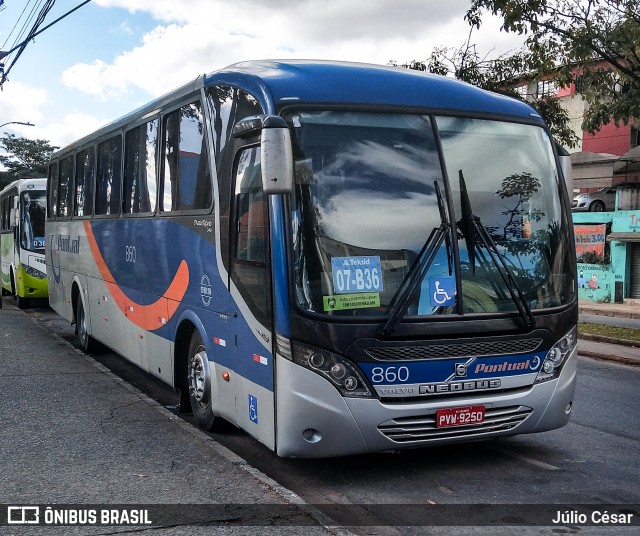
(33, 33)
(15, 25)
(41, 16)
(36, 8)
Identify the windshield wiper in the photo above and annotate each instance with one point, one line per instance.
(470, 225)
(420, 267)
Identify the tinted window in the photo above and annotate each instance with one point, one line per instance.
(65, 187)
(52, 189)
(108, 176)
(250, 209)
(186, 181)
(5, 213)
(226, 106)
(85, 170)
(32, 211)
(249, 263)
(139, 190)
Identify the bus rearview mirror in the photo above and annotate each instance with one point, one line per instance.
(13, 217)
(276, 158)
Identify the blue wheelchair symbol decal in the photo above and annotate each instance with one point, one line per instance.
(253, 409)
(442, 291)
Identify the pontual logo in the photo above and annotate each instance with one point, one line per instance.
(68, 244)
(506, 367)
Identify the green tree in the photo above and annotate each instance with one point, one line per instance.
(25, 158)
(466, 64)
(596, 40)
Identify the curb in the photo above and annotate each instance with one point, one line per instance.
(613, 314)
(609, 340)
(609, 357)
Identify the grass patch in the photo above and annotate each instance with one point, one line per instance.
(615, 332)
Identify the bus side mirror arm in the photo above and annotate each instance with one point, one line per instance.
(276, 151)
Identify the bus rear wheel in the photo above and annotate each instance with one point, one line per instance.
(199, 384)
(87, 342)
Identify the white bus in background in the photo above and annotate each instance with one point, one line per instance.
(22, 212)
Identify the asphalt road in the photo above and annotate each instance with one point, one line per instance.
(593, 460)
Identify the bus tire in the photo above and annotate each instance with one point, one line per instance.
(13, 292)
(22, 303)
(199, 384)
(87, 342)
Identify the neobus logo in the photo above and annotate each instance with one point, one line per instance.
(66, 243)
(474, 385)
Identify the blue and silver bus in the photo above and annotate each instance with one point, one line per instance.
(336, 258)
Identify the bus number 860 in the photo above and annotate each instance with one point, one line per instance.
(130, 253)
(389, 374)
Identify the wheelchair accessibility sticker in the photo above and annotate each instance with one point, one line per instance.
(253, 409)
(442, 291)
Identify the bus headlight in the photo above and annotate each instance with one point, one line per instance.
(343, 374)
(34, 272)
(556, 357)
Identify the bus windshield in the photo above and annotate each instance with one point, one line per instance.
(32, 215)
(476, 227)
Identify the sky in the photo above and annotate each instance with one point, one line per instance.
(111, 56)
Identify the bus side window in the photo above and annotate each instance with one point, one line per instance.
(250, 242)
(65, 189)
(108, 176)
(85, 170)
(52, 190)
(186, 175)
(139, 190)
(4, 216)
(225, 107)
(250, 209)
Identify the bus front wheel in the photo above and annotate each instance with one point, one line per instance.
(87, 342)
(199, 384)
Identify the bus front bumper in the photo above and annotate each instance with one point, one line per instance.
(314, 420)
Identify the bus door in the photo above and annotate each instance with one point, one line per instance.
(250, 281)
(15, 219)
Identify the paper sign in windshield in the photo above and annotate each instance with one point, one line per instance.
(342, 302)
(356, 274)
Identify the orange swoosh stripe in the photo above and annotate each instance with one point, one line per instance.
(149, 317)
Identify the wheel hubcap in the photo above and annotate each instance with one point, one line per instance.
(82, 326)
(199, 377)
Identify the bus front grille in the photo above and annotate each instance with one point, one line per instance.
(450, 350)
(422, 428)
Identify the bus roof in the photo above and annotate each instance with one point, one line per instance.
(23, 184)
(277, 83)
(292, 81)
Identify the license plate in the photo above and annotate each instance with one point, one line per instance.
(460, 416)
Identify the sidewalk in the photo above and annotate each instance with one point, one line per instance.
(629, 309)
(626, 352)
(74, 434)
